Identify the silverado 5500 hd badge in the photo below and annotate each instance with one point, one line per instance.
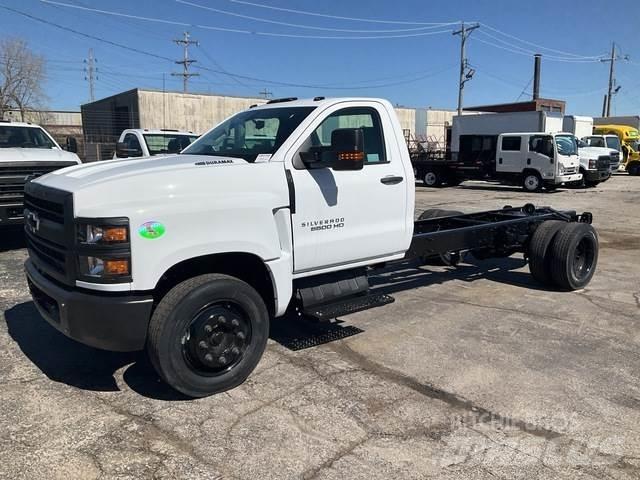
(326, 224)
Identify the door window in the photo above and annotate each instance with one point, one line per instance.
(133, 144)
(364, 118)
(511, 144)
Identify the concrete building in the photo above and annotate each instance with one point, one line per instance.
(535, 105)
(105, 119)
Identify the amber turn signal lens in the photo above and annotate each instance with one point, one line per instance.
(115, 234)
(116, 267)
(351, 156)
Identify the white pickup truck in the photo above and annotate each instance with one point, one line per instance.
(283, 207)
(143, 142)
(26, 151)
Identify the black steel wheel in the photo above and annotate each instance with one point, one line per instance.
(207, 334)
(574, 256)
(634, 168)
(539, 250)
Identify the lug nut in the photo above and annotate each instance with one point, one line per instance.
(235, 322)
(240, 335)
(235, 350)
(221, 319)
(203, 345)
(208, 328)
(222, 359)
(208, 357)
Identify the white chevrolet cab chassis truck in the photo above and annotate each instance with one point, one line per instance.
(285, 206)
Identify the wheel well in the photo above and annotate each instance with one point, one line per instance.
(527, 171)
(244, 266)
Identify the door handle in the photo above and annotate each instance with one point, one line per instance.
(391, 180)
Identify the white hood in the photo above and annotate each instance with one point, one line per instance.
(37, 155)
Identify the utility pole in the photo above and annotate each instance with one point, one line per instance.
(265, 93)
(185, 62)
(613, 89)
(466, 73)
(91, 76)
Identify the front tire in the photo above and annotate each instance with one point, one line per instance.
(634, 168)
(208, 334)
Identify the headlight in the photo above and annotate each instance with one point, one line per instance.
(593, 164)
(104, 268)
(104, 250)
(103, 234)
(561, 170)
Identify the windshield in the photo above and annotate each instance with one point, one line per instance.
(635, 145)
(250, 133)
(566, 144)
(159, 143)
(613, 142)
(23, 137)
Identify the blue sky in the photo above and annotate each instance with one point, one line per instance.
(419, 70)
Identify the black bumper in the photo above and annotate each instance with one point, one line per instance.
(102, 320)
(12, 214)
(596, 175)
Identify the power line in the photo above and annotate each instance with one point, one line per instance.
(538, 46)
(237, 30)
(528, 54)
(308, 27)
(335, 17)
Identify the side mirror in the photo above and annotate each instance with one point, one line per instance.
(348, 146)
(346, 151)
(123, 151)
(71, 145)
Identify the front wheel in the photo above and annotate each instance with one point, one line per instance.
(208, 334)
(532, 182)
(634, 168)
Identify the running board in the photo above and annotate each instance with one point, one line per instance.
(330, 311)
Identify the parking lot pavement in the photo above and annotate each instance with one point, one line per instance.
(474, 372)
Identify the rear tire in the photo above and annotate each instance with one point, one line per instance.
(539, 251)
(432, 178)
(450, 259)
(574, 256)
(208, 334)
(532, 182)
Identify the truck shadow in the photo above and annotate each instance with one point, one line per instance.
(491, 187)
(12, 238)
(67, 361)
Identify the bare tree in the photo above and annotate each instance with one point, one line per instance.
(22, 75)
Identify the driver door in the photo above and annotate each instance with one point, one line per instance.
(344, 217)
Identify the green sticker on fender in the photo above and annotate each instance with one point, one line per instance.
(151, 230)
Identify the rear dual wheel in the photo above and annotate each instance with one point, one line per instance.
(208, 334)
(563, 255)
(634, 168)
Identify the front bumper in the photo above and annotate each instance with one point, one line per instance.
(12, 214)
(102, 320)
(596, 175)
(566, 178)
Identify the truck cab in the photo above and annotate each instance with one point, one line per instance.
(610, 142)
(284, 207)
(143, 142)
(596, 163)
(630, 140)
(27, 151)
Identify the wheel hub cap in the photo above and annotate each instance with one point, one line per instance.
(217, 338)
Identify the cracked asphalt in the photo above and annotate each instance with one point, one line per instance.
(473, 373)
